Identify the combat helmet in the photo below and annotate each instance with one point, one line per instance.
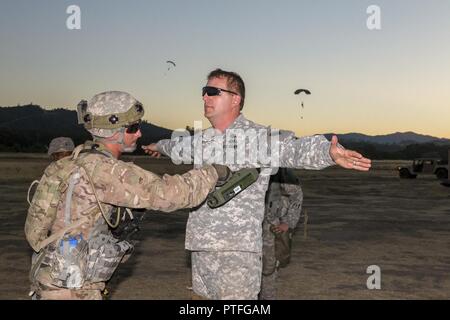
(60, 144)
(109, 112)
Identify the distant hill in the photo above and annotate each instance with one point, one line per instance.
(398, 138)
(399, 145)
(30, 128)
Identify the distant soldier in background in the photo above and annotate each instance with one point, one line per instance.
(284, 200)
(81, 198)
(60, 147)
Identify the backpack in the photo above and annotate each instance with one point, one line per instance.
(43, 207)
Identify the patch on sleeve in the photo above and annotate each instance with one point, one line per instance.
(131, 177)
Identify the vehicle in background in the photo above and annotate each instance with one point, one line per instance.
(434, 166)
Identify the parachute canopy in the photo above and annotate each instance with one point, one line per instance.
(171, 62)
(298, 91)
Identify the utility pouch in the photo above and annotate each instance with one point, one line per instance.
(68, 264)
(36, 263)
(105, 254)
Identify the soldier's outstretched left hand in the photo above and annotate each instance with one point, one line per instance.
(348, 159)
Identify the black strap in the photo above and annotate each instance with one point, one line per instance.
(93, 149)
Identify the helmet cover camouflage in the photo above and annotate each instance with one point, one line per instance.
(108, 112)
(60, 144)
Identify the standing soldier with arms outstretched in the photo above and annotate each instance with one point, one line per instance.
(226, 242)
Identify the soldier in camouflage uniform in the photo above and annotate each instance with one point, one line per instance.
(226, 242)
(284, 200)
(82, 197)
(60, 147)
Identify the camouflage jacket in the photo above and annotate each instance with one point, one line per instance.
(122, 184)
(284, 199)
(237, 225)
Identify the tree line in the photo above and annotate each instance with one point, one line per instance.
(30, 128)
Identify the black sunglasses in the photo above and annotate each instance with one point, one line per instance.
(133, 128)
(213, 91)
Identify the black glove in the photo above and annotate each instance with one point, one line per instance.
(224, 174)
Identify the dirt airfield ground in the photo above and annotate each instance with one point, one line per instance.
(355, 220)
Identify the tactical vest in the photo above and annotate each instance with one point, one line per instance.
(71, 262)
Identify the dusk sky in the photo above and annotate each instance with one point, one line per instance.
(381, 81)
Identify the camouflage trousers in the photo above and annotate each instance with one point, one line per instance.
(45, 290)
(270, 265)
(226, 275)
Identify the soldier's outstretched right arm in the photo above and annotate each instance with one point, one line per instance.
(172, 147)
(127, 185)
(165, 146)
(178, 149)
